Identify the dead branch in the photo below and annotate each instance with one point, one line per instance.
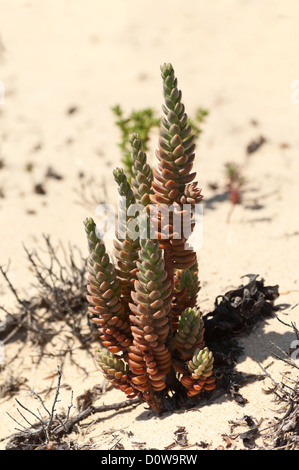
(11, 386)
(284, 432)
(60, 299)
(45, 431)
(89, 194)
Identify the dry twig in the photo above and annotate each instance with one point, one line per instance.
(48, 431)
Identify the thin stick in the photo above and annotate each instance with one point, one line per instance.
(4, 274)
(67, 427)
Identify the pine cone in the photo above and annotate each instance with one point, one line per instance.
(104, 290)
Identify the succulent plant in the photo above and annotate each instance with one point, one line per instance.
(116, 371)
(190, 332)
(200, 369)
(145, 299)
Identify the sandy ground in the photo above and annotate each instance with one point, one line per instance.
(238, 59)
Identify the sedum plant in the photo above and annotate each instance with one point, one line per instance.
(143, 121)
(144, 300)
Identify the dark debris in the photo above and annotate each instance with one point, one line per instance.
(239, 309)
(254, 145)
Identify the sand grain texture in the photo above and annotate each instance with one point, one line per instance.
(64, 65)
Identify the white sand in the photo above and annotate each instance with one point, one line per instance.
(236, 58)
